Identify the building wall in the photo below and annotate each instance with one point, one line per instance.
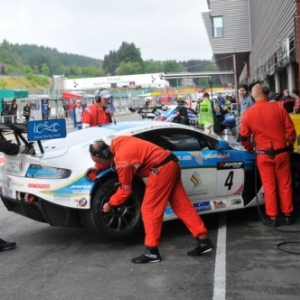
(236, 26)
(272, 22)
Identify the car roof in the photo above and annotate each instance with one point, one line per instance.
(105, 132)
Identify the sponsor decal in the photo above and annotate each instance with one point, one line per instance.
(230, 165)
(198, 157)
(60, 198)
(44, 130)
(235, 201)
(8, 193)
(196, 180)
(12, 168)
(216, 155)
(185, 157)
(196, 193)
(239, 191)
(202, 206)
(80, 187)
(126, 187)
(81, 202)
(219, 204)
(80, 192)
(44, 186)
(11, 182)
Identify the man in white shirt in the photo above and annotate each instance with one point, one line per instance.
(77, 113)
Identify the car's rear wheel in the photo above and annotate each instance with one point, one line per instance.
(123, 221)
(295, 163)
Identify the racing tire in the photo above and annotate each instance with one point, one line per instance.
(123, 221)
(295, 165)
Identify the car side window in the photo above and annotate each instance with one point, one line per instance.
(174, 139)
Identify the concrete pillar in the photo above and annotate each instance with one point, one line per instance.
(291, 78)
(277, 82)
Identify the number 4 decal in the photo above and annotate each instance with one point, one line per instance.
(229, 180)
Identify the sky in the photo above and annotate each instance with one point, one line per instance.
(161, 29)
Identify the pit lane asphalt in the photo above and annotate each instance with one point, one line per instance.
(63, 263)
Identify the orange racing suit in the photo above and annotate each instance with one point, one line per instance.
(272, 128)
(135, 157)
(94, 115)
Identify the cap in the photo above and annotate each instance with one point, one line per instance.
(103, 93)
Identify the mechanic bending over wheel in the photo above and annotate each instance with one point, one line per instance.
(13, 149)
(132, 156)
(273, 135)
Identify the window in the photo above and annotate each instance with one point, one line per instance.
(175, 139)
(217, 26)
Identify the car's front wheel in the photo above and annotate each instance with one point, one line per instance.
(123, 221)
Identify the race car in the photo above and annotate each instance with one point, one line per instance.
(50, 186)
(169, 114)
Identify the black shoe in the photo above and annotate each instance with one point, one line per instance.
(204, 245)
(288, 220)
(270, 222)
(6, 245)
(150, 255)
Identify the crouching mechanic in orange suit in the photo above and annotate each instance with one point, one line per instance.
(273, 135)
(135, 157)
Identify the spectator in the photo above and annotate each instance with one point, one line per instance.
(66, 110)
(97, 113)
(13, 109)
(48, 108)
(111, 107)
(295, 95)
(220, 100)
(77, 113)
(44, 108)
(288, 101)
(163, 184)
(26, 111)
(246, 100)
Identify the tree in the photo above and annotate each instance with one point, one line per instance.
(111, 62)
(129, 68)
(129, 53)
(151, 66)
(45, 69)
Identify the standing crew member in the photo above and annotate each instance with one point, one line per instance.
(182, 116)
(132, 156)
(97, 113)
(206, 114)
(274, 135)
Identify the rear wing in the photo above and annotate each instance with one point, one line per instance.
(145, 112)
(18, 132)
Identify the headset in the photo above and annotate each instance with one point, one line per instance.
(97, 96)
(104, 152)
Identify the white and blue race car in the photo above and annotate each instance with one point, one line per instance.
(50, 186)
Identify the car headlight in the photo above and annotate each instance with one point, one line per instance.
(44, 172)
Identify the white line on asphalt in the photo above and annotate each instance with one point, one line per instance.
(219, 292)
